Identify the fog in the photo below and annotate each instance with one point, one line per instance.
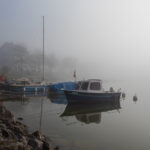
(99, 39)
(16, 61)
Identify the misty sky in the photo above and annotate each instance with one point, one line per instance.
(106, 36)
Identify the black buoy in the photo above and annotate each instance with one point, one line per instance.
(135, 98)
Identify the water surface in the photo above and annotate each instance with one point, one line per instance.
(120, 127)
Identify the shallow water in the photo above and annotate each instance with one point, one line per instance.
(105, 126)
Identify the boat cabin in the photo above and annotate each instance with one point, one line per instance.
(90, 85)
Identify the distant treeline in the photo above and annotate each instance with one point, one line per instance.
(16, 61)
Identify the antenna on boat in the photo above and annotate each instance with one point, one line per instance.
(43, 51)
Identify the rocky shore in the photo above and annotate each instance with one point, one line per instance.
(15, 136)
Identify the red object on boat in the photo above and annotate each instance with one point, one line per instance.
(74, 74)
(2, 78)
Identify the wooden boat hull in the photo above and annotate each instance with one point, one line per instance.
(86, 97)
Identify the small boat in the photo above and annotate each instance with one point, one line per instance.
(91, 91)
(24, 85)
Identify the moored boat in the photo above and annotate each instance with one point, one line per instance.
(24, 85)
(91, 91)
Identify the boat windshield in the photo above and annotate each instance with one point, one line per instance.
(84, 85)
(95, 86)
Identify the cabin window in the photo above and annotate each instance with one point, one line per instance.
(84, 86)
(95, 86)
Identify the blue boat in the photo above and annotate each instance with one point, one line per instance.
(27, 88)
(91, 91)
(58, 88)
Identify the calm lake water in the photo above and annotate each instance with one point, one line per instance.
(125, 126)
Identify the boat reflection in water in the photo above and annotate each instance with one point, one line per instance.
(89, 117)
(7, 96)
(90, 113)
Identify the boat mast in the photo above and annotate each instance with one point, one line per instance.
(43, 51)
(41, 114)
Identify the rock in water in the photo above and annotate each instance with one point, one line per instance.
(15, 136)
(38, 135)
(35, 143)
(5, 114)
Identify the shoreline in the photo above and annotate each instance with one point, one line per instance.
(14, 135)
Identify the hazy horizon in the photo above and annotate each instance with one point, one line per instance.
(105, 39)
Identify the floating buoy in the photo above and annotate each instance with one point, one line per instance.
(135, 98)
(123, 95)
